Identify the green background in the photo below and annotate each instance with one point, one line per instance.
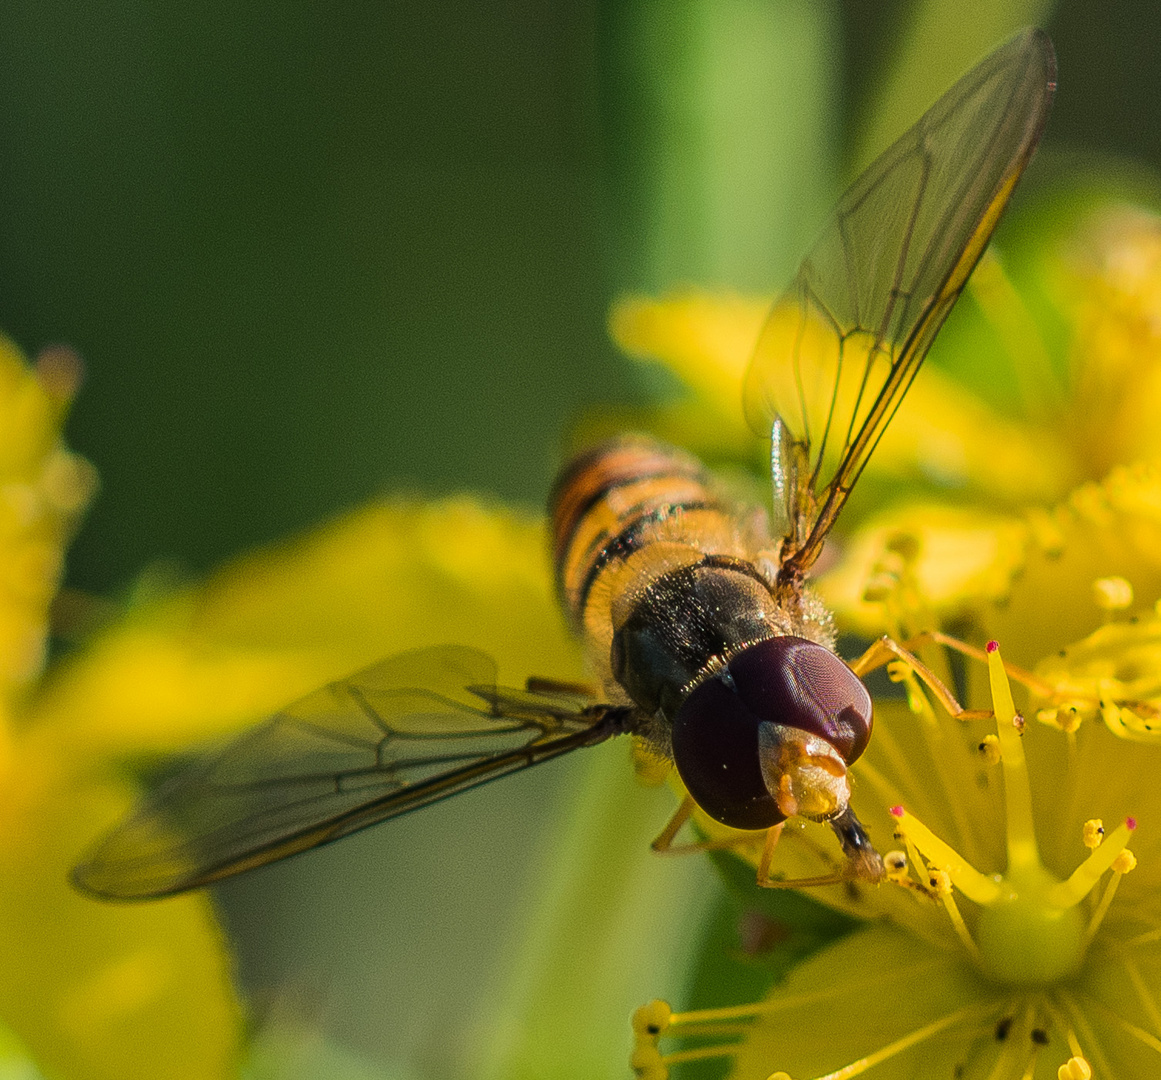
(313, 252)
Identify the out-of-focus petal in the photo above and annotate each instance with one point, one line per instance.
(942, 434)
(945, 561)
(97, 991)
(43, 489)
(278, 623)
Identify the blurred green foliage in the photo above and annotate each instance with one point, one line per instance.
(311, 252)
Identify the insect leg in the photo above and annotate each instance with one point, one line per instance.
(1037, 685)
(886, 650)
(663, 844)
(772, 835)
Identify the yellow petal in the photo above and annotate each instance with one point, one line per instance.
(945, 561)
(43, 488)
(1104, 530)
(1109, 280)
(941, 433)
(99, 991)
(278, 623)
(858, 996)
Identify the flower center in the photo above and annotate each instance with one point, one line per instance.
(1024, 939)
(1031, 930)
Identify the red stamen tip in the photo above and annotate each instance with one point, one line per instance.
(1130, 823)
(992, 646)
(897, 811)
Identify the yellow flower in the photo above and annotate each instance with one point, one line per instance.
(1011, 940)
(100, 991)
(1019, 935)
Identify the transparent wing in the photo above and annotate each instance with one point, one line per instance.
(840, 348)
(397, 736)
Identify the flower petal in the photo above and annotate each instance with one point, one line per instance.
(278, 623)
(97, 991)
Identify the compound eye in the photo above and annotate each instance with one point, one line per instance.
(799, 683)
(715, 749)
(787, 681)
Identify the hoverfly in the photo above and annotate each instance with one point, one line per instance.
(710, 645)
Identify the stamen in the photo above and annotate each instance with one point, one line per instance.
(1085, 876)
(1094, 833)
(1076, 1022)
(1075, 1068)
(1122, 864)
(647, 1063)
(940, 883)
(1023, 853)
(990, 748)
(1112, 594)
(700, 1053)
(895, 865)
(1144, 992)
(974, 885)
(652, 1020)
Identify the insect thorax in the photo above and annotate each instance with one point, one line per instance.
(660, 574)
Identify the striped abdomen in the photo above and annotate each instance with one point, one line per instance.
(653, 566)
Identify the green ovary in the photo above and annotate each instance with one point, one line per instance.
(1026, 941)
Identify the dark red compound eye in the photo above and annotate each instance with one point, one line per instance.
(783, 680)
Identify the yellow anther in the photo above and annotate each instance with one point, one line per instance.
(897, 671)
(647, 1063)
(1075, 1068)
(895, 864)
(1094, 832)
(779, 1076)
(652, 1020)
(990, 748)
(1124, 862)
(1068, 720)
(939, 881)
(1112, 593)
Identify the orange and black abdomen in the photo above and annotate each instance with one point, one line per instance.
(638, 534)
(608, 505)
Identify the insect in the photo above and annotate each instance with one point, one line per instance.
(709, 643)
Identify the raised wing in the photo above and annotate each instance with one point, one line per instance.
(840, 348)
(397, 736)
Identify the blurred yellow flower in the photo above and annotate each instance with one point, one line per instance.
(98, 991)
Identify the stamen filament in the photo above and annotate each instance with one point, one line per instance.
(1082, 1030)
(1023, 853)
(726, 1012)
(1144, 993)
(961, 929)
(1102, 910)
(700, 1053)
(1144, 1037)
(1085, 876)
(974, 885)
